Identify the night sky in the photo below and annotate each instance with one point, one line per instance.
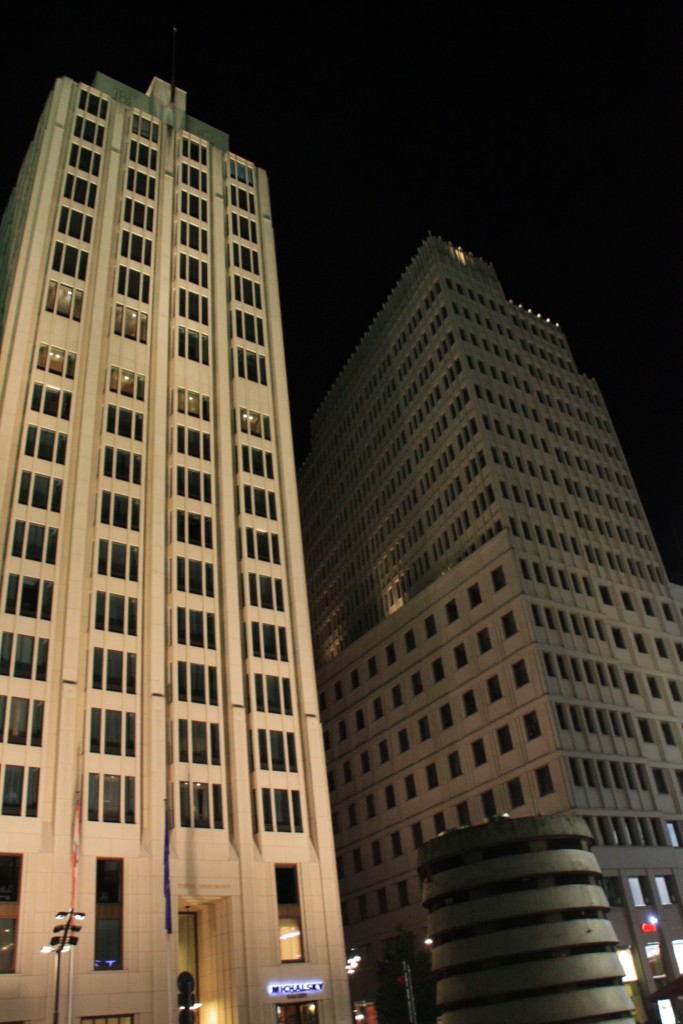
(546, 140)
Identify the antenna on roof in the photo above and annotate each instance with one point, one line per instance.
(175, 36)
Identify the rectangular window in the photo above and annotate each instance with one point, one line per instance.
(10, 879)
(109, 915)
(289, 914)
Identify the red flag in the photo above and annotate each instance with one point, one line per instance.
(75, 845)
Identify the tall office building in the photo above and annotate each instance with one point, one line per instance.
(493, 627)
(155, 654)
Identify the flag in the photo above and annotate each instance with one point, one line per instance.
(167, 873)
(75, 847)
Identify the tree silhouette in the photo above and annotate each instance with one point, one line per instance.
(391, 1002)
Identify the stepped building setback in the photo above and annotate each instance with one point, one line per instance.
(155, 654)
(493, 628)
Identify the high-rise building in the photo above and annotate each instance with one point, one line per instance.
(493, 627)
(155, 656)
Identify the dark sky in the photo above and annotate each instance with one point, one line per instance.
(546, 140)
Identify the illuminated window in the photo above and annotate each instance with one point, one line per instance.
(289, 915)
(10, 877)
(297, 1013)
(654, 958)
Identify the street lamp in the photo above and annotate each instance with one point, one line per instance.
(64, 938)
(352, 961)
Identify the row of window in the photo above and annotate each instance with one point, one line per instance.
(193, 442)
(281, 810)
(20, 790)
(29, 596)
(23, 722)
(200, 805)
(193, 345)
(194, 577)
(50, 445)
(269, 693)
(194, 404)
(194, 270)
(622, 775)
(194, 177)
(112, 732)
(252, 422)
(276, 750)
(142, 184)
(133, 284)
(193, 206)
(256, 461)
(265, 592)
(474, 596)
(268, 641)
(261, 545)
(140, 153)
(251, 366)
(120, 464)
(79, 190)
(198, 683)
(113, 670)
(109, 886)
(259, 502)
(130, 323)
(384, 903)
(120, 510)
(196, 628)
(191, 483)
(138, 214)
(83, 159)
(245, 258)
(34, 489)
(136, 248)
(590, 720)
(56, 360)
(248, 292)
(116, 613)
(69, 260)
(193, 237)
(30, 656)
(243, 227)
(104, 799)
(124, 422)
(631, 831)
(197, 731)
(193, 306)
(520, 677)
(242, 199)
(194, 529)
(120, 560)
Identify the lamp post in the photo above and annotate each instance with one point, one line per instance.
(64, 938)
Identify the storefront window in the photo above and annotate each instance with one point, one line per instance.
(297, 1013)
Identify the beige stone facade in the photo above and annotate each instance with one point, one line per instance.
(493, 626)
(155, 654)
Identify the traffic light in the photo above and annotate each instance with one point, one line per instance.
(186, 998)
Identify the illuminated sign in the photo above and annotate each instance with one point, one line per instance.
(648, 926)
(292, 989)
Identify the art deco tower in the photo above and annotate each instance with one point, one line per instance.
(155, 650)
